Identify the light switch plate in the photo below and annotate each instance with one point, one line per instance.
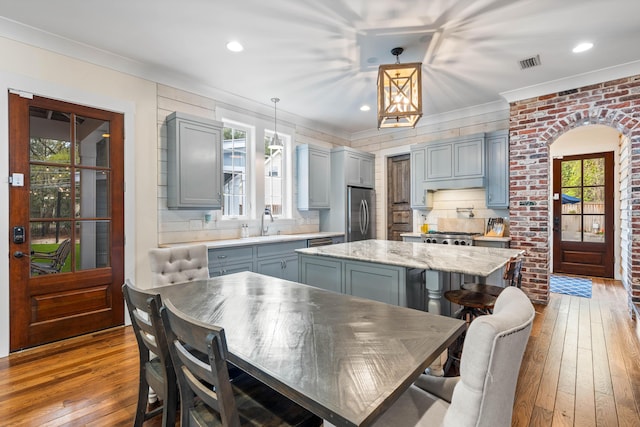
(17, 179)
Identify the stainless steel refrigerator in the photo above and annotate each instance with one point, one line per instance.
(361, 211)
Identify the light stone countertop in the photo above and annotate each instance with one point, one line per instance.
(473, 260)
(255, 240)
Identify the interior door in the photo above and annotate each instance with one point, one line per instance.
(583, 215)
(67, 222)
(399, 213)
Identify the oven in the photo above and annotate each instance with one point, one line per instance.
(457, 238)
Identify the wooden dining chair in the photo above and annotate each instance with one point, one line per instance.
(178, 264)
(156, 368)
(483, 394)
(207, 396)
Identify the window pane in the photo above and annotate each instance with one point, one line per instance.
(594, 200)
(50, 195)
(234, 165)
(274, 174)
(571, 200)
(50, 246)
(93, 244)
(571, 173)
(92, 193)
(594, 171)
(92, 142)
(571, 228)
(593, 228)
(50, 136)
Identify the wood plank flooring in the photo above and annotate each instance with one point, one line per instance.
(581, 368)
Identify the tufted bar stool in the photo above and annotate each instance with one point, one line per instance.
(178, 264)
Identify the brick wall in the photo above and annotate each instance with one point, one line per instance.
(536, 123)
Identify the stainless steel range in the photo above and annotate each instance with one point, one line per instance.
(449, 238)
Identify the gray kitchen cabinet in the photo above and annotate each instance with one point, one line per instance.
(455, 163)
(358, 166)
(497, 192)
(279, 259)
(412, 239)
(376, 282)
(230, 260)
(420, 198)
(194, 162)
(324, 273)
(314, 163)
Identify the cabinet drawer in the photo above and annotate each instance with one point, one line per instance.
(230, 255)
(275, 249)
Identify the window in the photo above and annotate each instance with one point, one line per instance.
(234, 151)
(275, 179)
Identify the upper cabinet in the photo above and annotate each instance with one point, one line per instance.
(359, 166)
(497, 169)
(314, 164)
(194, 162)
(455, 163)
(420, 197)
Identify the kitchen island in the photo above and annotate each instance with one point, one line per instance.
(396, 272)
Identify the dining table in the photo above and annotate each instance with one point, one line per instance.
(344, 358)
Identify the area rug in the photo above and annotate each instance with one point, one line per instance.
(578, 286)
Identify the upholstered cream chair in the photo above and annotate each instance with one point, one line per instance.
(484, 392)
(178, 264)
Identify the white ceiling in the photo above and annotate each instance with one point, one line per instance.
(320, 57)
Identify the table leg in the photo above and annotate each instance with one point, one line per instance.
(434, 306)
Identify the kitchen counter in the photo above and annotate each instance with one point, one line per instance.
(475, 261)
(255, 240)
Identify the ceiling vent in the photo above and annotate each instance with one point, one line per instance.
(534, 61)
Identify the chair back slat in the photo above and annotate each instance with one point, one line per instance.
(513, 272)
(187, 336)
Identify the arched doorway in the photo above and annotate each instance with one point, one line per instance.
(574, 144)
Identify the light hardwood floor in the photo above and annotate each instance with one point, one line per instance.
(581, 368)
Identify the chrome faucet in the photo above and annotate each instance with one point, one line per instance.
(263, 230)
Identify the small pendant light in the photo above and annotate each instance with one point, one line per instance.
(275, 143)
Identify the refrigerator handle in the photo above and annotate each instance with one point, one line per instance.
(362, 216)
(366, 217)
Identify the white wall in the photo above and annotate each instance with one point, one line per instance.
(56, 76)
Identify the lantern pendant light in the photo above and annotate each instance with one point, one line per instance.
(275, 143)
(399, 93)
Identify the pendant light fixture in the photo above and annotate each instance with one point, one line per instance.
(399, 93)
(275, 143)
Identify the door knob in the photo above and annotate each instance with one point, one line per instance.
(19, 254)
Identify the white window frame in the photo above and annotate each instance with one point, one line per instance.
(287, 173)
(249, 171)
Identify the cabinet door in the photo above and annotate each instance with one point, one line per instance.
(194, 163)
(498, 170)
(418, 176)
(321, 272)
(290, 270)
(367, 176)
(271, 267)
(319, 182)
(440, 161)
(352, 169)
(372, 281)
(468, 159)
(231, 268)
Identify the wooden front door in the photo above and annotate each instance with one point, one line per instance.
(66, 220)
(399, 214)
(583, 215)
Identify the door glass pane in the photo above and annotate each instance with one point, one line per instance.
(92, 142)
(571, 200)
(571, 173)
(50, 192)
(594, 171)
(92, 193)
(50, 136)
(594, 200)
(50, 247)
(593, 227)
(93, 244)
(571, 228)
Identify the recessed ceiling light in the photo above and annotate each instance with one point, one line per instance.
(235, 46)
(365, 108)
(582, 47)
